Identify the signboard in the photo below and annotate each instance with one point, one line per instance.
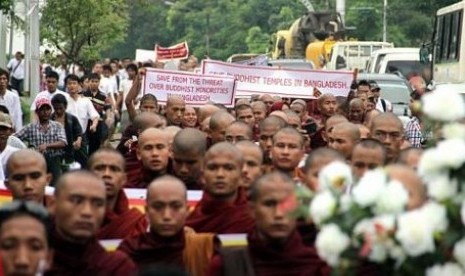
(178, 51)
(195, 89)
(292, 83)
(145, 55)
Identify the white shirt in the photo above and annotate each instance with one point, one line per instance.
(12, 102)
(108, 85)
(15, 142)
(124, 87)
(19, 72)
(379, 105)
(48, 95)
(4, 155)
(83, 109)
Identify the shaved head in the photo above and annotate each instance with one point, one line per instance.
(386, 116)
(20, 156)
(175, 99)
(350, 129)
(63, 182)
(145, 120)
(224, 148)
(190, 140)
(166, 182)
(206, 111)
(411, 182)
(149, 133)
(334, 120)
(356, 103)
(220, 118)
(273, 177)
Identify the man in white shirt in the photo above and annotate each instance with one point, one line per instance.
(52, 83)
(382, 105)
(108, 85)
(10, 100)
(16, 68)
(125, 86)
(80, 106)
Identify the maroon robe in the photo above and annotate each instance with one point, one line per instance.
(122, 222)
(292, 258)
(150, 248)
(88, 259)
(221, 217)
(133, 165)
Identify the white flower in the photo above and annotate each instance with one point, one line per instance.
(459, 252)
(388, 222)
(398, 254)
(439, 107)
(452, 151)
(393, 199)
(336, 176)
(430, 163)
(322, 207)
(370, 187)
(414, 233)
(448, 269)
(363, 226)
(436, 215)
(330, 243)
(453, 131)
(440, 187)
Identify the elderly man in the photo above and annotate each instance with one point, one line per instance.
(78, 210)
(25, 246)
(169, 243)
(120, 221)
(223, 207)
(274, 246)
(28, 176)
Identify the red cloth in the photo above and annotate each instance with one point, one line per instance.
(290, 258)
(133, 165)
(122, 222)
(215, 216)
(88, 259)
(150, 248)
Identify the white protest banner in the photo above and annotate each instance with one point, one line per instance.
(145, 55)
(292, 83)
(196, 89)
(178, 51)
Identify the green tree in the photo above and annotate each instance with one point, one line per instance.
(257, 40)
(5, 5)
(80, 29)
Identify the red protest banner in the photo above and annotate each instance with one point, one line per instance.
(178, 51)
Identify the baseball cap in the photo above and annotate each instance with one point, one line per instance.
(41, 102)
(5, 120)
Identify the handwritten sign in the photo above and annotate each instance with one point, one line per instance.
(178, 51)
(195, 89)
(293, 83)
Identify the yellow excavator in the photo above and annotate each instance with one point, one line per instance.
(310, 37)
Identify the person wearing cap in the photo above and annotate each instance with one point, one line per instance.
(382, 105)
(10, 100)
(6, 127)
(25, 233)
(46, 136)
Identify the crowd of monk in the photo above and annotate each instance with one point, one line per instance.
(246, 160)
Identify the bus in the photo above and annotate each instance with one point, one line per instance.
(449, 44)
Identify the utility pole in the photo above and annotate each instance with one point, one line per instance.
(31, 48)
(3, 61)
(385, 20)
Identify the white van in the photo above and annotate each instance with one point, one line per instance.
(349, 55)
(393, 60)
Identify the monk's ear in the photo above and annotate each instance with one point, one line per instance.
(48, 177)
(138, 154)
(49, 259)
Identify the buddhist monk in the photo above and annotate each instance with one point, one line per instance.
(28, 176)
(367, 155)
(120, 221)
(274, 246)
(244, 113)
(153, 153)
(238, 131)
(412, 183)
(389, 130)
(410, 157)
(287, 151)
(343, 138)
(25, 232)
(206, 111)
(218, 124)
(327, 106)
(223, 207)
(268, 129)
(268, 101)
(188, 150)
(78, 210)
(169, 242)
(259, 111)
(253, 161)
(315, 161)
(356, 111)
(175, 107)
